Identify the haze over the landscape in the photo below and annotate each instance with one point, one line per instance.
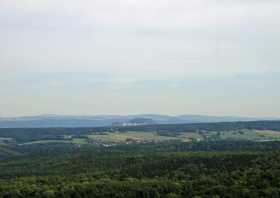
(214, 57)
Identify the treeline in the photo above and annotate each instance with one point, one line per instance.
(220, 126)
(56, 149)
(151, 148)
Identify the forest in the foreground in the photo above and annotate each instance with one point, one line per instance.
(208, 168)
(241, 169)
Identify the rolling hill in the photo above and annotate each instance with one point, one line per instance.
(45, 121)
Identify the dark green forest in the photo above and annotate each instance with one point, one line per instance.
(145, 171)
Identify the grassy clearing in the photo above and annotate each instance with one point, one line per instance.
(188, 137)
(144, 136)
(239, 135)
(141, 137)
(268, 134)
(79, 141)
(47, 142)
(123, 137)
(253, 135)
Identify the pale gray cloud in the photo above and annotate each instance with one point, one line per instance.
(161, 49)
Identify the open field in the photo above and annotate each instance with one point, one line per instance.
(188, 137)
(249, 135)
(104, 136)
(155, 137)
(268, 134)
(253, 135)
(78, 141)
(121, 137)
(46, 142)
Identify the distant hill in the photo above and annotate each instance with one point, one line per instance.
(135, 122)
(45, 121)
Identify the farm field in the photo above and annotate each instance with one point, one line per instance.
(142, 137)
(122, 137)
(46, 142)
(253, 135)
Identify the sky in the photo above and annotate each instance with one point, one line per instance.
(87, 57)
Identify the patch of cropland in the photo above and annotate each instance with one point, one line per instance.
(22, 141)
(32, 134)
(156, 137)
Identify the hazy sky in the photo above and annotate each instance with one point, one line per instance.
(218, 57)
